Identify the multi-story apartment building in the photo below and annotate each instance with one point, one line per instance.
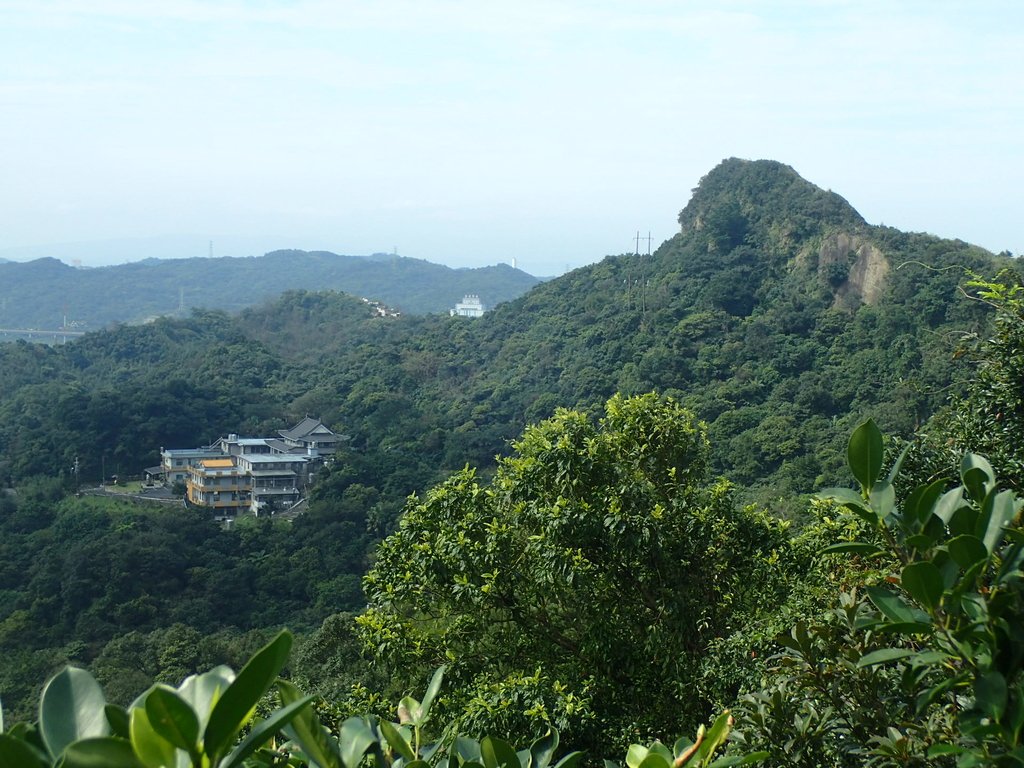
(219, 484)
(252, 473)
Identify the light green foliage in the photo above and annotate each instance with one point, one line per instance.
(197, 724)
(578, 588)
(924, 664)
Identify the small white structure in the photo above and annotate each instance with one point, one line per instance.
(470, 306)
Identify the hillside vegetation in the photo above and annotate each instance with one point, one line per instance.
(770, 326)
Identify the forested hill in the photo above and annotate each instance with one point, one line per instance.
(41, 293)
(776, 313)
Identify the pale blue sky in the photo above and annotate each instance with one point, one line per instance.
(475, 132)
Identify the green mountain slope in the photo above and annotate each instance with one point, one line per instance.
(39, 294)
(776, 313)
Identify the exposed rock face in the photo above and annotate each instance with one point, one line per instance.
(866, 268)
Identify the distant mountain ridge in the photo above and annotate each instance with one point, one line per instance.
(42, 293)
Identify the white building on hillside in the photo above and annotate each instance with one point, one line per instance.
(470, 306)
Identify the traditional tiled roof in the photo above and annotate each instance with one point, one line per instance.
(303, 429)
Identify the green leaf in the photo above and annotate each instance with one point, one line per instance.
(173, 719)
(948, 505)
(101, 752)
(884, 656)
(883, 499)
(497, 753)
(153, 750)
(731, 760)
(864, 454)
(570, 760)
(306, 731)
(543, 749)
(715, 736)
(893, 606)
(905, 628)
(15, 753)
(1003, 509)
(117, 717)
(923, 580)
(263, 732)
(355, 738)
(921, 502)
(853, 547)
(235, 706)
(938, 750)
(428, 697)
(397, 740)
(844, 496)
(966, 550)
(990, 694)
(70, 709)
(201, 692)
(654, 760)
(977, 476)
(635, 755)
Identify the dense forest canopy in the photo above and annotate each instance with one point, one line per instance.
(770, 326)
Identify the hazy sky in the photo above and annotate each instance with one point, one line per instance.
(475, 132)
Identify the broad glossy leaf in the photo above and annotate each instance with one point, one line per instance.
(543, 749)
(864, 454)
(15, 753)
(101, 752)
(654, 760)
(967, 550)
(977, 475)
(923, 581)
(235, 706)
(883, 499)
(990, 694)
(893, 606)
(117, 718)
(264, 731)
(202, 692)
(884, 656)
(635, 755)
(173, 719)
(715, 736)
(1002, 511)
(948, 504)
(306, 731)
(432, 689)
(964, 521)
(497, 753)
(152, 749)
(921, 501)
(70, 709)
(921, 542)
(355, 738)
(397, 740)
